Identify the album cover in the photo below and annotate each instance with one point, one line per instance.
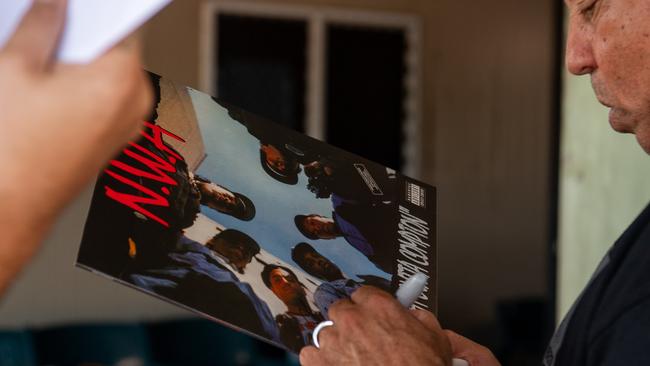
(251, 224)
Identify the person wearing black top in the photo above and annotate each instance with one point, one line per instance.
(610, 322)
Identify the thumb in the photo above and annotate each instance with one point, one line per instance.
(459, 344)
(427, 319)
(470, 351)
(37, 37)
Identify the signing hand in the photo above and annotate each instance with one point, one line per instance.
(372, 328)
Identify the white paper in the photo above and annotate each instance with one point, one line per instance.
(92, 26)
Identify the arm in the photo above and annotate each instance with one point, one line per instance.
(61, 124)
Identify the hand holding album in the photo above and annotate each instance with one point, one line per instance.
(92, 27)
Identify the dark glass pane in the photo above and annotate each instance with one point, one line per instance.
(365, 92)
(261, 67)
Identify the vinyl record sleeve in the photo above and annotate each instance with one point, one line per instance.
(251, 224)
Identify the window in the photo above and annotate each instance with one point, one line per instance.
(261, 66)
(347, 77)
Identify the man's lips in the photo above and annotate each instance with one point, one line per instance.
(615, 117)
(618, 122)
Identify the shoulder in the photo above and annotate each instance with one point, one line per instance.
(625, 341)
(327, 289)
(624, 282)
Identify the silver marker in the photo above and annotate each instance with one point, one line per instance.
(409, 291)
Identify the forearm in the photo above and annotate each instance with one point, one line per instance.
(23, 224)
(32, 195)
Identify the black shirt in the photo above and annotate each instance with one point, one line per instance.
(610, 322)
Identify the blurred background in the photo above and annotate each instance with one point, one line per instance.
(469, 96)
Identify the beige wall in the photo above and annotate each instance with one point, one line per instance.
(604, 182)
(491, 151)
(487, 92)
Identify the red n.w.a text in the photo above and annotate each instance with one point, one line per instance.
(157, 167)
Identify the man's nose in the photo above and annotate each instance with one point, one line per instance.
(579, 50)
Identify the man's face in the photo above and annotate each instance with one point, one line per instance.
(285, 286)
(321, 265)
(274, 158)
(217, 197)
(610, 40)
(322, 227)
(235, 252)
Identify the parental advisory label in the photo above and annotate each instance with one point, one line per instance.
(416, 195)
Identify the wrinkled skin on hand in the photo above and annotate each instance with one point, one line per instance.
(60, 125)
(372, 328)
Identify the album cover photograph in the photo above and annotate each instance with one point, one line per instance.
(251, 224)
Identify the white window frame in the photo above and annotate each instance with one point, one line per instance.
(316, 18)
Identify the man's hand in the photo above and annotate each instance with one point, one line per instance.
(60, 125)
(372, 328)
(473, 353)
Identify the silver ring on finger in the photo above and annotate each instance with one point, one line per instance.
(322, 325)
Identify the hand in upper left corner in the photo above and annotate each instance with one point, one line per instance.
(60, 125)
